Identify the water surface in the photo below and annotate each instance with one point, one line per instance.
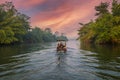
(42, 62)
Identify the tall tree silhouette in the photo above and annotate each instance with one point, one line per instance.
(102, 9)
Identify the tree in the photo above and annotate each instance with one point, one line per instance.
(102, 9)
(106, 28)
(13, 24)
(48, 36)
(15, 27)
(115, 8)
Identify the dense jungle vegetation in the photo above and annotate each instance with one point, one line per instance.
(105, 29)
(15, 27)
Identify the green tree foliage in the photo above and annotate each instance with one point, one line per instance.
(39, 35)
(115, 8)
(48, 36)
(35, 35)
(106, 28)
(13, 25)
(102, 8)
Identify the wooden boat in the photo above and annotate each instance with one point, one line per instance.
(61, 47)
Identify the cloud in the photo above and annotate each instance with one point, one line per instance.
(59, 15)
(65, 17)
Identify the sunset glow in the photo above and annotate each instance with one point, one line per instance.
(59, 15)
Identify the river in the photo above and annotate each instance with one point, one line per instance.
(42, 62)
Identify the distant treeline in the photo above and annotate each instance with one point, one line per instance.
(15, 27)
(105, 29)
(39, 35)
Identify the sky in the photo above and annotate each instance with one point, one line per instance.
(59, 15)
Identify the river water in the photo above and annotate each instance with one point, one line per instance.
(42, 62)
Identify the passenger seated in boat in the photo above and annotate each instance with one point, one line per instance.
(61, 46)
(64, 46)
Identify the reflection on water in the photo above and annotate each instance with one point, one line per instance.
(42, 62)
(106, 60)
(104, 53)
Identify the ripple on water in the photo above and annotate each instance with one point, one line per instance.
(47, 64)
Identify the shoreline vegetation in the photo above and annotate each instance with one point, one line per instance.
(15, 28)
(105, 29)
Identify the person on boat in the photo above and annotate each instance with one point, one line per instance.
(61, 46)
(64, 47)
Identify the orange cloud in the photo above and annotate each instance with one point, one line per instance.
(65, 18)
(59, 15)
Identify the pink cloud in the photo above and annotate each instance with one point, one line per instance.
(59, 15)
(24, 3)
(29, 3)
(65, 18)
